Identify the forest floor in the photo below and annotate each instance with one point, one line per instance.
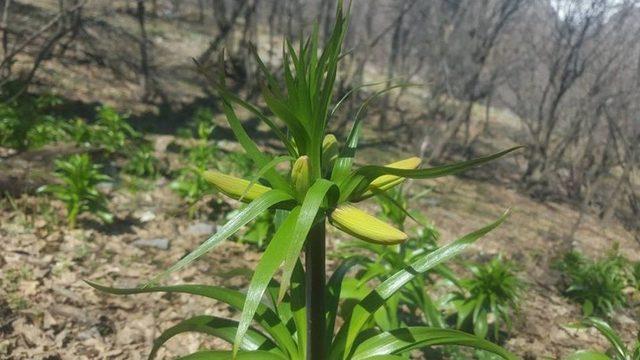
(48, 312)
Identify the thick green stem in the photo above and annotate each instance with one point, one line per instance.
(315, 292)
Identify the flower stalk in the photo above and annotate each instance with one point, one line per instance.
(315, 279)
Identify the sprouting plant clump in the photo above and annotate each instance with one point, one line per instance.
(77, 184)
(25, 122)
(313, 181)
(596, 284)
(493, 289)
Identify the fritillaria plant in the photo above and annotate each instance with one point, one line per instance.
(297, 315)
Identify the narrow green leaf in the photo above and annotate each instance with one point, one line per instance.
(480, 324)
(356, 183)
(351, 92)
(248, 213)
(266, 269)
(343, 164)
(310, 206)
(267, 319)
(395, 203)
(228, 355)
(606, 330)
(222, 328)
(402, 340)
(268, 166)
(588, 355)
(229, 98)
(367, 307)
(251, 148)
(282, 111)
(299, 307)
(333, 290)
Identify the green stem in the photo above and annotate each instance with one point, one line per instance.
(315, 279)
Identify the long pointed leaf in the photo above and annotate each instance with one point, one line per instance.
(222, 328)
(588, 355)
(267, 319)
(250, 212)
(343, 163)
(334, 288)
(355, 184)
(266, 269)
(310, 206)
(268, 166)
(606, 331)
(228, 355)
(402, 340)
(367, 307)
(251, 148)
(299, 307)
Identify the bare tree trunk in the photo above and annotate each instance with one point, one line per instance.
(5, 37)
(144, 56)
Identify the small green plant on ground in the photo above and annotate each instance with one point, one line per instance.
(493, 290)
(78, 178)
(189, 183)
(618, 350)
(299, 321)
(25, 122)
(598, 285)
(78, 131)
(111, 130)
(10, 283)
(260, 230)
(201, 126)
(237, 164)
(142, 163)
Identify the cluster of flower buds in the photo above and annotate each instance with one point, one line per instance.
(344, 216)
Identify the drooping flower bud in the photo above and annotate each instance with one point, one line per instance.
(365, 227)
(330, 149)
(386, 182)
(234, 187)
(301, 175)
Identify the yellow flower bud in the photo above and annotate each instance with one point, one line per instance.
(365, 227)
(301, 175)
(235, 187)
(386, 182)
(330, 149)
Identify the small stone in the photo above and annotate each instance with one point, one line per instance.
(147, 216)
(624, 319)
(106, 187)
(90, 333)
(201, 228)
(159, 243)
